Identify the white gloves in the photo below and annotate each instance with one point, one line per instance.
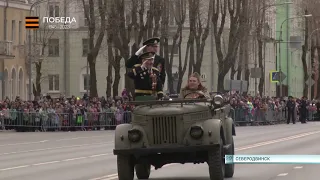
(140, 50)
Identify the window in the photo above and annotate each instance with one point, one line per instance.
(54, 82)
(20, 32)
(175, 51)
(86, 82)
(53, 47)
(13, 29)
(85, 20)
(85, 47)
(54, 10)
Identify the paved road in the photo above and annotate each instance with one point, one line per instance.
(88, 155)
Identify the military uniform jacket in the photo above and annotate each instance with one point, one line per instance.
(159, 63)
(143, 82)
(291, 105)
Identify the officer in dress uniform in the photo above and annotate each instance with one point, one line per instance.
(150, 45)
(291, 105)
(303, 110)
(142, 76)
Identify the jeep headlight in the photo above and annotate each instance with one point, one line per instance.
(196, 132)
(134, 135)
(218, 99)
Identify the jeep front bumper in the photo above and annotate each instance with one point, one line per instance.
(171, 149)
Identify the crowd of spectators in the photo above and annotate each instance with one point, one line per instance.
(94, 113)
(76, 112)
(256, 106)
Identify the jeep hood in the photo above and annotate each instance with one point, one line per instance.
(170, 109)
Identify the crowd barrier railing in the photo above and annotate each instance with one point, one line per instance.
(258, 116)
(34, 121)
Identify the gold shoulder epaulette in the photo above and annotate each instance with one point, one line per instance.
(155, 68)
(137, 65)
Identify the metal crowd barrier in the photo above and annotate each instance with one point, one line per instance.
(244, 116)
(257, 116)
(21, 121)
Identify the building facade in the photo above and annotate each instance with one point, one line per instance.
(289, 50)
(14, 76)
(64, 69)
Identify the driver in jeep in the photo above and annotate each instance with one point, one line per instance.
(194, 89)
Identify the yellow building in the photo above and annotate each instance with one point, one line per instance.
(13, 71)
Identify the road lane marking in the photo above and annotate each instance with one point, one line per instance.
(45, 163)
(98, 155)
(276, 141)
(115, 176)
(298, 167)
(73, 159)
(56, 140)
(75, 138)
(283, 174)
(12, 168)
(45, 149)
(54, 162)
(25, 143)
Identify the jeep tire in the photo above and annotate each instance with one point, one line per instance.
(229, 168)
(125, 167)
(143, 171)
(216, 162)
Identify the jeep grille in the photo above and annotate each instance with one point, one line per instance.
(164, 130)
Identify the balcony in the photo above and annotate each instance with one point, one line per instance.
(6, 51)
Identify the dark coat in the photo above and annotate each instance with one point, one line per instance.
(159, 63)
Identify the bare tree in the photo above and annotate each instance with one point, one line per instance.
(199, 32)
(180, 17)
(94, 42)
(177, 9)
(236, 10)
(311, 25)
(133, 21)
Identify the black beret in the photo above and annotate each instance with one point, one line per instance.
(147, 55)
(152, 41)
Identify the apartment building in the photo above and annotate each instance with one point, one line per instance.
(14, 76)
(64, 69)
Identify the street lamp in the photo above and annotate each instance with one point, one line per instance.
(310, 64)
(280, 39)
(29, 44)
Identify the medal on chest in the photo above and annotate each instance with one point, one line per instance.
(159, 67)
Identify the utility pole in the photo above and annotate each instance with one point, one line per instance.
(5, 39)
(212, 55)
(287, 47)
(65, 51)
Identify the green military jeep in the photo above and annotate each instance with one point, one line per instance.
(176, 131)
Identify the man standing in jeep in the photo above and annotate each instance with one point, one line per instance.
(150, 45)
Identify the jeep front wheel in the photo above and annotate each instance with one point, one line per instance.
(216, 163)
(143, 171)
(229, 171)
(125, 167)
